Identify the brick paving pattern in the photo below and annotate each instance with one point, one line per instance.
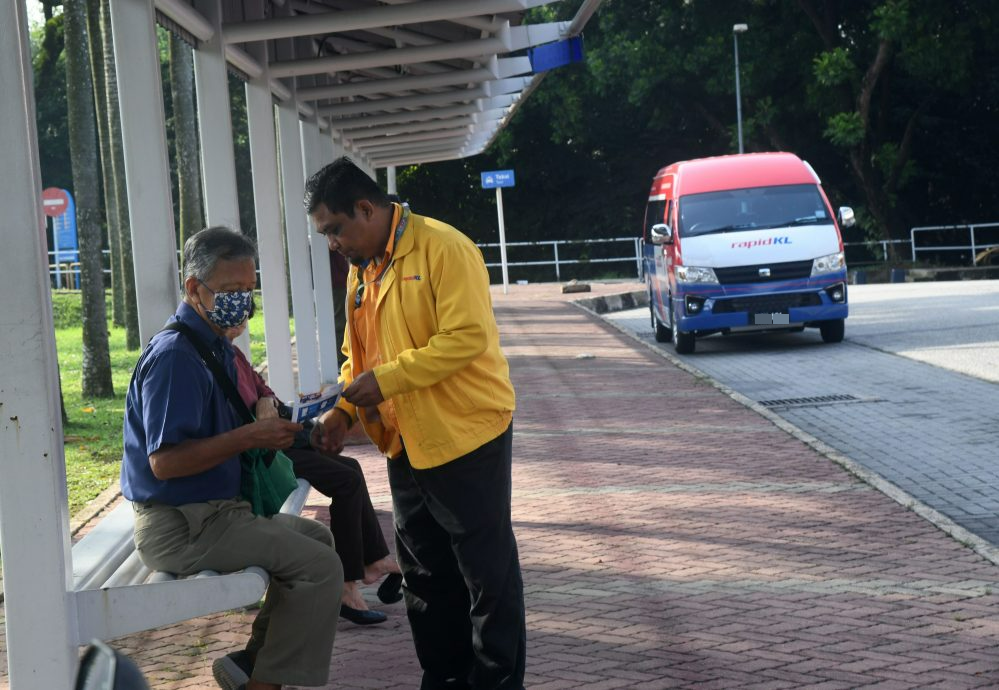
(671, 537)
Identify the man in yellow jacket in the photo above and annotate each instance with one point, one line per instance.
(427, 380)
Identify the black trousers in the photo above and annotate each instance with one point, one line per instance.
(457, 551)
(357, 535)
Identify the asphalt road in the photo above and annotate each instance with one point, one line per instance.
(918, 369)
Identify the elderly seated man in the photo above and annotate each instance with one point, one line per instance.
(181, 470)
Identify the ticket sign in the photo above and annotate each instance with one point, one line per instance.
(497, 178)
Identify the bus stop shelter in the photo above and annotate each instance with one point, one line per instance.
(389, 83)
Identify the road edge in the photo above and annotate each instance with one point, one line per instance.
(980, 546)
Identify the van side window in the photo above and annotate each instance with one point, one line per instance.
(654, 214)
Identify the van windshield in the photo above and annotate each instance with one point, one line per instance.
(756, 208)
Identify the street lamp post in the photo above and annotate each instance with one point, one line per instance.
(736, 30)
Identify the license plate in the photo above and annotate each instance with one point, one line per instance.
(773, 319)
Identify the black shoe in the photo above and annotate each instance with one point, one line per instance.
(390, 590)
(233, 670)
(362, 616)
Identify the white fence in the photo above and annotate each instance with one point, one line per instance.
(67, 274)
(631, 253)
(974, 244)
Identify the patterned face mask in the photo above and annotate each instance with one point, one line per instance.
(231, 308)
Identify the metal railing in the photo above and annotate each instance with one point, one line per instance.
(68, 273)
(973, 244)
(869, 246)
(558, 262)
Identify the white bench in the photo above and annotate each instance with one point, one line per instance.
(117, 595)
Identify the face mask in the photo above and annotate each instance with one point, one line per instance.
(231, 308)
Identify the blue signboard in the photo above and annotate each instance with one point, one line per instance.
(64, 233)
(497, 178)
(552, 55)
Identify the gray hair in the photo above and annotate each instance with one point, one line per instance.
(206, 248)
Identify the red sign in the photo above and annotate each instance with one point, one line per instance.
(54, 202)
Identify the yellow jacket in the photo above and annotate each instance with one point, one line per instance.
(443, 367)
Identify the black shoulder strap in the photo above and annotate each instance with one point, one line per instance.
(213, 364)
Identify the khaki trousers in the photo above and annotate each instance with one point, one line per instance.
(292, 636)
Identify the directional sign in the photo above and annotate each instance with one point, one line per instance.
(497, 178)
(55, 201)
(64, 231)
(552, 55)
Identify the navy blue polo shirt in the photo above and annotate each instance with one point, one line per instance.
(172, 398)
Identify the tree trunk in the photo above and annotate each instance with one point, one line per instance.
(83, 152)
(96, 46)
(124, 258)
(185, 130)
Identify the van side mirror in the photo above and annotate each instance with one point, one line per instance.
(846, 217)
(661, 234)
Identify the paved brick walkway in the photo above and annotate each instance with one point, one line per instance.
(672, 538)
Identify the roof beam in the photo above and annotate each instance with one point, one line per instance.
(509, 38)
(379, 86)
(418, 160)
(365, 121)
(385, 58)
(370, 18)
(435, 144)
(499, 87)
(409, 127)
(385, 104)
(415, 136)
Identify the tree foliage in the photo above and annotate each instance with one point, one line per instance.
(892, 102)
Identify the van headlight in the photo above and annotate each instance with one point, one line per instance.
(693, 274)
(828, 264)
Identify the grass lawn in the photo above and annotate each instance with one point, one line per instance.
(93, 434)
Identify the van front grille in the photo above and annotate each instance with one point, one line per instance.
(766, 304)
(790, 270)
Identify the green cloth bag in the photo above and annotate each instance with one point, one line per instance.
(268, 478)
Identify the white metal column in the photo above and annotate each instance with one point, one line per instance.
(270, 246)
(297, 239)
(39, 611)
(218, 160)
(143, 128)
(218, 164)
(313, 155)
(390, 180)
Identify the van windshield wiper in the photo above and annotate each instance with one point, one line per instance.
(803, 220)
(724, 228)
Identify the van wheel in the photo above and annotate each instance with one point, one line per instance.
(662, 333)
(832, 331)
(683, 343)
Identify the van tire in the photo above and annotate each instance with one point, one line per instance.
(662, 333)
(683, 343)
(832, 331)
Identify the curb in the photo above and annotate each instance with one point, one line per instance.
(985, 549)
(94, 508)
(604, 304)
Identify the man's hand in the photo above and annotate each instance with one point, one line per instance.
(364, 391)
(327, 436)
(274, 433)
(266, 408)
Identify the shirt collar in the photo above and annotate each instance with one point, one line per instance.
(187, 315)
(390, 247)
